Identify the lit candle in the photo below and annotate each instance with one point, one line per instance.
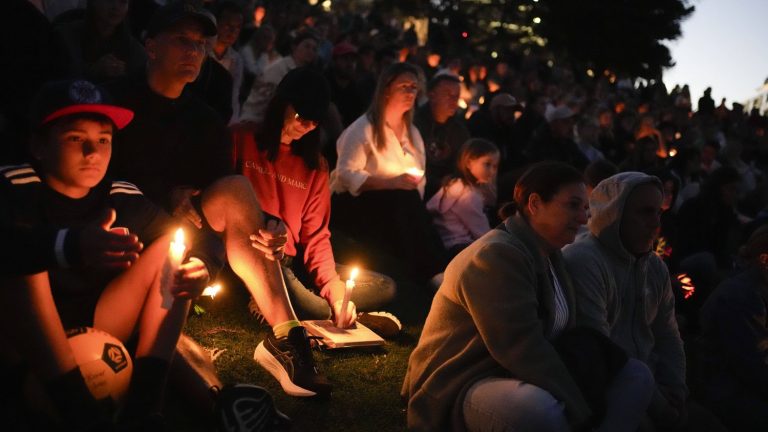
(415, 172)
(175, 256)
(212, 290)
(350, 285)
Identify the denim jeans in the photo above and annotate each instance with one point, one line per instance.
(508, 404)
(372, 291)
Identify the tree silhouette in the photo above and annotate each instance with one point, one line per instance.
(621, 35)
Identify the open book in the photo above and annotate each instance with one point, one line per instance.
(334, 337)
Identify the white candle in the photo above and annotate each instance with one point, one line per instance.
(350, 285)
(175, 256)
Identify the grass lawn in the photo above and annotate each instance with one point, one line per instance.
(366, 382)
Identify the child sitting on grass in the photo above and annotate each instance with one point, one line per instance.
(457, 208)
(65, 263)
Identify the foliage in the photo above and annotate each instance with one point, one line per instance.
(621, 35)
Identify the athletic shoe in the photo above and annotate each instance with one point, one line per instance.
(383, 324)
(289, 360)
(248, 408)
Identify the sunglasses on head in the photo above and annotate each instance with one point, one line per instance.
(305, 122)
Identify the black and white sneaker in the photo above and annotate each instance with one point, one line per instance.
(248, 408)
(290, 361)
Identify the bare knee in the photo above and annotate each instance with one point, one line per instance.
(234, 187)
(227, 197)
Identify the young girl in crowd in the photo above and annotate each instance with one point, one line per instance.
(458, 207)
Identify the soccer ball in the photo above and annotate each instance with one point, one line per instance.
(103, 360)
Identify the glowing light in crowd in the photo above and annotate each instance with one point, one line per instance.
(481, 100)
(349, 286)
(258, 15)
(212, 290)
(687, 285)
(433, 60)
(494, 54)
(462, 104)
(175, 256)
(413, 172)
(590, 73)
(672, 152)
(464, 35)
(663, 249)
(312, 2)
(678, 135)
(327, 5)
(537, 20)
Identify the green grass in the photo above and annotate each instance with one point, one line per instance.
(366, 382)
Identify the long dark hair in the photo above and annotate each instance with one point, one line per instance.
(308, 147)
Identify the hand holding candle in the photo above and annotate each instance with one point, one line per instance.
(175, 257)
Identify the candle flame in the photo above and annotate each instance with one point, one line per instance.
(686, 283)
(353, 273)
(212, 290)
(179, 236)
(416, 172)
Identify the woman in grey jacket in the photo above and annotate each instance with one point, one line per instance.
(486, 359)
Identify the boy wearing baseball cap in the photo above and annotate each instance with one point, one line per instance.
(82, 250)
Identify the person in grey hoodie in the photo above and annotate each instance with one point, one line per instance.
(623, 288)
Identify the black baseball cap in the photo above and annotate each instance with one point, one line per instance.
(307, 91)
(165, 17)
(61, 98)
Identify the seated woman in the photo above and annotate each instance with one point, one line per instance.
(732, 356)
(290, 178)
(487, 356)
(378, 183)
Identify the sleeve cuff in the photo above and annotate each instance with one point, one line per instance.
(355, 182)
(58, 248)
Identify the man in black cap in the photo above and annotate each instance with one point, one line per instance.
(178, 151)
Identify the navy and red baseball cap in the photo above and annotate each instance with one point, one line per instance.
(61, 98)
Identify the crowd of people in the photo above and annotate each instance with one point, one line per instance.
(594, 243)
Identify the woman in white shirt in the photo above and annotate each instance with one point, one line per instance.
(378, 183)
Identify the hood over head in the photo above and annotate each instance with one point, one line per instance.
(607, 203)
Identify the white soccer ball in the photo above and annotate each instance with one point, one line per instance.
(103, 360)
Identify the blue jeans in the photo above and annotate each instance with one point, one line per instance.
(372, 291)
(508, 404)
